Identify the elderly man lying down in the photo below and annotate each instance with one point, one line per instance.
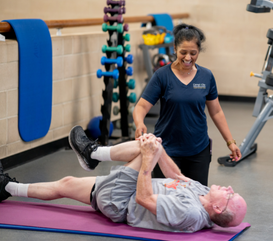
(129, 194)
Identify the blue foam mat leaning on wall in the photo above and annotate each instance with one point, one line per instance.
(35, 77)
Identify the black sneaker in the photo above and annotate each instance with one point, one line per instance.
(4, 180)
(1, 168)
(83, 148)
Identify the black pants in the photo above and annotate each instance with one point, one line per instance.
(195, 167)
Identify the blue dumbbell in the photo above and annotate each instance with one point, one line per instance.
(129, 59)
(129, 71)
(168, 39)
(114, 73)
(118, 61)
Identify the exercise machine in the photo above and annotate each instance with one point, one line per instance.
(263, 108)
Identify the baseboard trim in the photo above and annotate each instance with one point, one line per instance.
(236, 98)
(34, 153)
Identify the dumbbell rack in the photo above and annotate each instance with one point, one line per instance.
(116, 40)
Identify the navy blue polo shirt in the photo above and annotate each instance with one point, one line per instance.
(182, 123)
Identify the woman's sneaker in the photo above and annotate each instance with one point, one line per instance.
(4, 180)
(83, 148)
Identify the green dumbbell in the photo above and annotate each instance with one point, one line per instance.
(132, 97)
(126, 37)
(115, 83)
(127, 48)
(115, 97)
(118, 27)
(118, 49)
(131, 84)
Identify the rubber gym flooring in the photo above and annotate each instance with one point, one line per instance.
(252, 177)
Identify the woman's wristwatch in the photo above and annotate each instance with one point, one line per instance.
(230, 142)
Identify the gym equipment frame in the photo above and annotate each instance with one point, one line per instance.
(263, 108)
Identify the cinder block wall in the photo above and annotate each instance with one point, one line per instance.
(236, 39)
(77, 92)
(236, 44)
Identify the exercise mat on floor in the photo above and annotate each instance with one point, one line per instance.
(35, 77)
(84, 220)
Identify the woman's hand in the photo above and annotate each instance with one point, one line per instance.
(182, 178)
(140, 130)
(236, 153)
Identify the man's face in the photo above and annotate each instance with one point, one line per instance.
(222, 196)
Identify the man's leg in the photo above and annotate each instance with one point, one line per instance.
(89, 153)
(68, 187)
(125, 152)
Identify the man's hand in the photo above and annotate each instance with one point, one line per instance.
(151, 149)
(149, 135)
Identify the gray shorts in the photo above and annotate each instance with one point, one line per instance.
(113, 192)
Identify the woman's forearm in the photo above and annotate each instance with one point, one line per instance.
(219, 120)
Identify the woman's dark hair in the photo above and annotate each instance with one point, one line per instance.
(185, 32)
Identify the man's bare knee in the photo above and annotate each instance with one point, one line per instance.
(66, 180)
(65, 184)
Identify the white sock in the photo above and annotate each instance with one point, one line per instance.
(17, 189)
(102, 153)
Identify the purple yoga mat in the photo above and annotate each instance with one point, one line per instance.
(83, 219)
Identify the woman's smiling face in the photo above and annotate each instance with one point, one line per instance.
(187, 53)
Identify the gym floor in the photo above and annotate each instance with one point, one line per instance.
(252, 177)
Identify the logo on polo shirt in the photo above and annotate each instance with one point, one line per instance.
(199, 86)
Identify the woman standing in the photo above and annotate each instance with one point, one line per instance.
(184, 89)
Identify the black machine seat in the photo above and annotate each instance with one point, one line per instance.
(257, 9)
(269, 79)
(269, 34)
